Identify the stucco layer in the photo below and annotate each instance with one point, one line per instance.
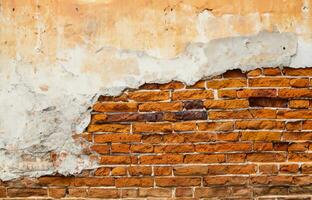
(57, 56)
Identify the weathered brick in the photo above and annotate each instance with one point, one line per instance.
(271, 71)
(184, 192)
(120, 148)
(160, 106)
(140, 170)
(115, 107)
(269, 82)
(185, 115)
(107, 160)
(259, 124)
(248, 93)
(134, 182)
(297, 72)
(205, 158)
(193, 104)
(294, 114)
(129, 193)
(155, 192)
(226, 83)
(174, 148)
(190, 170)
(216, 126)
(234, 73)
(77, 192)
(268, 102)
(223, 147)
(266, 157)
(231, 169)
(192, 94)
(177, 181)
(104, 138)
(295, 93)
(299, 104)
(27, 192)
(261, 136)
(212, 192)
(149, 96)
(225, 180)
(55, 193)
(268, 169)
(226, 104)
(161, 159)
(165, 86)
(306, 168)
(103, 193)
(116, 128)
(152, 127)
(93, 181)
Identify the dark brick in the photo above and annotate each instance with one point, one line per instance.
(185, 115)
(196, 104)
(268, 102)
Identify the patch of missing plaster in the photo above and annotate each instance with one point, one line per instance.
(35, 121)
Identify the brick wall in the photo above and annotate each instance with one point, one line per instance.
(238, 135)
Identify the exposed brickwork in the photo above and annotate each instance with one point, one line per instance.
(238, 135)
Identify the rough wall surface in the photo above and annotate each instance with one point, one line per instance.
(236, 136)
(56, 57)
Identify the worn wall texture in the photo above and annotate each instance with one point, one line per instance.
(57, 57)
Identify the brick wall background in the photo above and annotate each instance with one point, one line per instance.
(237, 135)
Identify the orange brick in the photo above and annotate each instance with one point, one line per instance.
(226, 83)
(101, 149)
(299, 104)
(268, 169)
(152, 127)
(298, 72)
(192, 94)
(119, 171)
(299, 83)
(300, 157)
(236, 158)
(155, 192)
(77, 192)
(177, 181)
(160, 106)
(152, 138)
(93, 181)
(294, 126)
(116, 128)
(162, 170)
(27, 192)
(271, 71)
(223, 147)
(231, 169)
(115, 160)
(307, 125)
(240, 114)
(289, 168)
(102, 171)
(55, 192)
(248, 93)
(255, 72)
(161, 159)
(266, 157)
(225, 180)
(227, 94)
(140, 170)
(190, 171)
(184, 126)
(142, 148)
(149, 96)
(295, 93)
(134, 182)
(226, 104)
(115, 107)
(173, 148)
(120, 148)
(216, 126)
(294, 114)
(165, 86)
(259, 124)
(104, 138)
(204, 158)
(103, 193)
(261, 136)
(263, 113)
(235, 73)
(263, 146)
(269, 82)
(184, 192)
(198, 85)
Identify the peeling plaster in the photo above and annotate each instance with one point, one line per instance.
(45, 96)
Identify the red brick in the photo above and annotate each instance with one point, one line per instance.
(268, 169)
